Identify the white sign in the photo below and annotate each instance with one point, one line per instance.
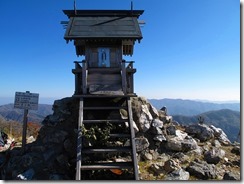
(26, 100)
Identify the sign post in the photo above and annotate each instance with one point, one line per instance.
(26, 101)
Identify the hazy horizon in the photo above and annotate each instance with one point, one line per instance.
(50, 100)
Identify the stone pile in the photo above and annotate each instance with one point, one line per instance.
(175, 152)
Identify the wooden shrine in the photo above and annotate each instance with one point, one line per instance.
(103, 37)
(104, 83)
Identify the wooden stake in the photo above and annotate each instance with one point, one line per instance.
(24, 128)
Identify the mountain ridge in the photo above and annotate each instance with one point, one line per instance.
(226, 119)
(8, 112)
(191, 107)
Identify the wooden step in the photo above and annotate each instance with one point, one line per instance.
(104, 108)
(105, 121)
(108, 165)
(106, 150)
(104, 70)
(103, 96)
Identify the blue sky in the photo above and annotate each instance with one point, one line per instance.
(190, 48)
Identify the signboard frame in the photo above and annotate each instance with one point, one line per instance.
(26, 100)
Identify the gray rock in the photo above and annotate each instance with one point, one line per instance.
(171, 130)
(182, 157)
(141, 143)
(216, 144)
(179, 174)
(231, 176)
(156, 130)
(157, 123)
(214, 155)
(182, 135)
(174, 144)
(181, 142)
(146, 155)
(236, 150)
(188, 144)
(200, 131)
(153, 111)
(141, 113)
(159, 138)
(202, 170)
(145, 118)
(169, 119)
(171, 165)
(220, 135)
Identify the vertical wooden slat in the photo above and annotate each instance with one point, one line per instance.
(79, 141)
(123, 73)
(131, 79)
(84, 77)
(77, 78)
(133, 144)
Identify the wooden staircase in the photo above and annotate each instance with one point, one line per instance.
(94, 112)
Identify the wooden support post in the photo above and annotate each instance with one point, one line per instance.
(123, 73)
(79, 141)
(133, 144)
(25, 119)
(24, 130)
(131, 79)
(84, 77)
(77, 78)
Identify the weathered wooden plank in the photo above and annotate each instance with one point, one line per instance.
(105, 121)
(103, 79)
(103, 108)
(106, 150)
(108, 165)
(103, 96)
(123, 74)
(133, 144)
(104, 70)
(79, 142)
(84, 78)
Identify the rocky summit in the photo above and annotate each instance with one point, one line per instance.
(166, 150)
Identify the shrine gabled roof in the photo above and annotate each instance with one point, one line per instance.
(96, 24)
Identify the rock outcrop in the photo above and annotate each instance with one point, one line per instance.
(173, 151)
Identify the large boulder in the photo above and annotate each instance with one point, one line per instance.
(231, 176)
(202, 170)
(141, 143)
(200, 131)
(179, 174)
(143, 113)
(214, 155)
(181, 142)
(220, 135)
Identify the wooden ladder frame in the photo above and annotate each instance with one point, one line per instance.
(132, 139)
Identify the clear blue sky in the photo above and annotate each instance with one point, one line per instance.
(190, 48)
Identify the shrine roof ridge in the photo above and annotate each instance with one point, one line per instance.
(110, 13)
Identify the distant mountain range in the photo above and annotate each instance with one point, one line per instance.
(8, 112)
(191, 107)
(226, 119)
(225, 116)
